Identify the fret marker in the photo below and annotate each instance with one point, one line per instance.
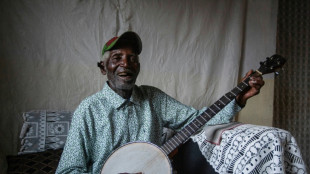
(245, 83)
(222, 102)
(178, 139)
(191, 127)
(174, 141)
(204, 118)
(212, 110)
(199, 121)
(169, 147)
(227, 98)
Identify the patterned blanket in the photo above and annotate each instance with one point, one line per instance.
(252, 149)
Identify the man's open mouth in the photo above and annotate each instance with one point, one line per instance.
(126, 75)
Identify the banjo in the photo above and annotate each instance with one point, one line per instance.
(148, 158)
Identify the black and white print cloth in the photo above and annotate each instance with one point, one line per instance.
(43, 129)
(253, 149)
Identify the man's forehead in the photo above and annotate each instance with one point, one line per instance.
(122, 50)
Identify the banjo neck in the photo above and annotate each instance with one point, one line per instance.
(182, 136)
(270, 65)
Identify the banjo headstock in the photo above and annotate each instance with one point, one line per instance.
(271, 64)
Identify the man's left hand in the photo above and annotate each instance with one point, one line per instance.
(256, 82)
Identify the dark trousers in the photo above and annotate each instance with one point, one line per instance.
(189, 160)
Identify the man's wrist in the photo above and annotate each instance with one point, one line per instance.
(239, 102)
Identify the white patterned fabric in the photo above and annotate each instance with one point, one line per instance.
(44, 130)
(253, 149)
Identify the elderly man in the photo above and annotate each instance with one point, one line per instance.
(123, 112)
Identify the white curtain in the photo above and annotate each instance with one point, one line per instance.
(192, 50)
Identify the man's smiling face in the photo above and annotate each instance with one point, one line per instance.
(122, 68)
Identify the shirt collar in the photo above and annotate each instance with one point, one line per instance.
(135, 96)
(116, 100)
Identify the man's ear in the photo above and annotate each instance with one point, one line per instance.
(101, 65)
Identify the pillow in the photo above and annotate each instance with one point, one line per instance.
(40, 163)
(44, 130)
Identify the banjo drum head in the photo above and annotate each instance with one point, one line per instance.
(137, 158)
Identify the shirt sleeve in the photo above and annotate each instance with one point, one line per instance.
(75, 158)
(226, 114)
(173, 113)
(176, 115)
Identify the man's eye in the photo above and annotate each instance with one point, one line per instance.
(116, 58)
(134, 59)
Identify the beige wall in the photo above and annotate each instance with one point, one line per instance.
(259, 110)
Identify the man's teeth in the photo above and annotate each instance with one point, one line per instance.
(124, 74)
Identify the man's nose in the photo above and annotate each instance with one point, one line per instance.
(125, 62)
